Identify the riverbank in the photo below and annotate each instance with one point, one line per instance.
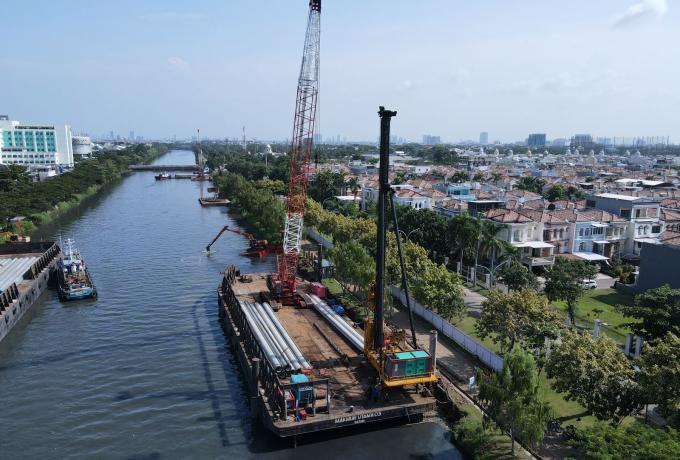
(42, 202)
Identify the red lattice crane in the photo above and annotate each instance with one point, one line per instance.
(284, 283)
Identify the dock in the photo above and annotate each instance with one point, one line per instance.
(25, 269)
(339, 384)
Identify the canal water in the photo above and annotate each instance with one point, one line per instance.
(143, 372)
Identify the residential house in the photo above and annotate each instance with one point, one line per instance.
(527, 235)
(642, 213)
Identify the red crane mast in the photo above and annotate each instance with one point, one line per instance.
(301, 151)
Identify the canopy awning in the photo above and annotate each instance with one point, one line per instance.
(598, 224)
(534, 245)
(591, 256)
(647, 240)
(601, 241)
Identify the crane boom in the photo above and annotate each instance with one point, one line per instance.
(301, 150)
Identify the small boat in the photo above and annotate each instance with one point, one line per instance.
(162, 176)
(74, 281)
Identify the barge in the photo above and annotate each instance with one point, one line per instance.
(25, 270)
(338, 389)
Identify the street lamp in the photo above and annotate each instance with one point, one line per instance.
(407, 235)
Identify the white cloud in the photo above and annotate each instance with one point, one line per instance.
(408, 85)
(178, 63)
(639, 12)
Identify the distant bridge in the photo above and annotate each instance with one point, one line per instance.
(161, 168)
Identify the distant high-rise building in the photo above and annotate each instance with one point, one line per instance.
(429, 139)
(113, 137)
(483, 138)
(132, 136)
(582, 141)
(317, 138)
(536, 140)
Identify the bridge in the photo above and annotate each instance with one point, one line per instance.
(161, 168)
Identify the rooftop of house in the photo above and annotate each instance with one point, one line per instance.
(670, 238)
(506, 216)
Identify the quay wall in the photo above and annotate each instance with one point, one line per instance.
(16, 300)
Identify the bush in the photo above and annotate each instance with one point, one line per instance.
(634, 442)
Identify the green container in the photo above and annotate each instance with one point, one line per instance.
(420, 354)
(421, 366)
(403, 355)
(411, 367)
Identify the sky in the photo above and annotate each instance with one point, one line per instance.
(450, 68)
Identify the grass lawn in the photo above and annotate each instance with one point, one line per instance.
(568, 412)
(333, 286)
(605, 300)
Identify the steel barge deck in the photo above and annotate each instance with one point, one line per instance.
(341, 379)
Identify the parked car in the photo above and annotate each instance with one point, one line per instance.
(589, 284)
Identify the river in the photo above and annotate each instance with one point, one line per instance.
(143, 372)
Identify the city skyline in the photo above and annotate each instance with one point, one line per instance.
(165, 69)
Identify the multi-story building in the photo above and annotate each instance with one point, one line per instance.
(642, 213)
(429, 139)
(483, 138)
(34, 144)
(525, 234)
(598, 234)
(536, 140)
(457, 191)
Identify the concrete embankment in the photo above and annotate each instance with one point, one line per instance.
(25, 270)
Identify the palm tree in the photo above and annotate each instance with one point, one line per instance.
(462, 235)
(495, 177)
(353, 185)
(491, 243)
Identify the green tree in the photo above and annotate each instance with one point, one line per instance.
(520, 317)
(326, 184)
(479, 177)
(556, 192)
(660, 373)
(596, 374)
(531, 184)
(459, 177)
(441, 291)
(354, 187)
(517, 276)
(564, 281)
(511, 399)
(658, 312)
(634, 442)
(353, 264)
(461, 236)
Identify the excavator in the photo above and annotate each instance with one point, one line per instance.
(258, 248)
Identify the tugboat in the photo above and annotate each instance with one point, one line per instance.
(162, 176)
(74, 281)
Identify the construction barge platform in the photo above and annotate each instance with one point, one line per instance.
(328, 383)
(25, 270)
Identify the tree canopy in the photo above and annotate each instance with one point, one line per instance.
(511, 399)
(658, 311)
(596, 374)
(520, 317)
(564, 282)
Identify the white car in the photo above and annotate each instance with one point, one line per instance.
(589, 284)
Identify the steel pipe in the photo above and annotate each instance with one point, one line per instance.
(335, 320)
(289, 340)
(264, 344)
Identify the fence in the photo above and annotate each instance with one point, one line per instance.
(486, 356)
(319, 238)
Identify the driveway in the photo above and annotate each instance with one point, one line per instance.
(604, 281)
